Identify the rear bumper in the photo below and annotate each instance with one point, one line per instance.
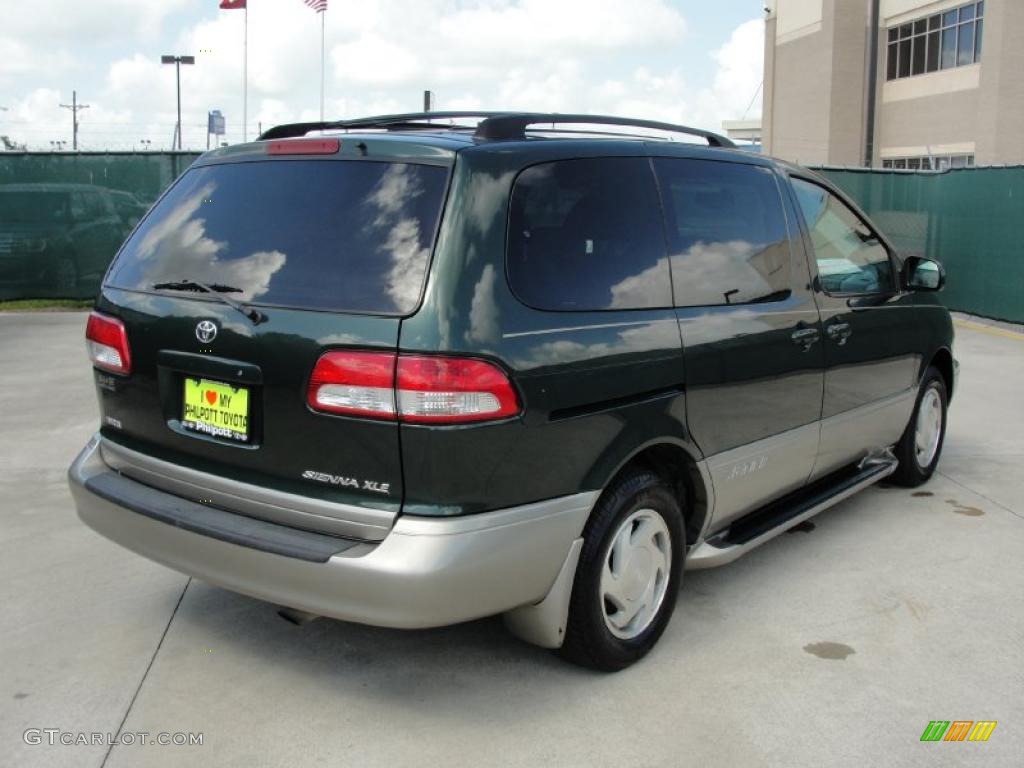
(426, 572)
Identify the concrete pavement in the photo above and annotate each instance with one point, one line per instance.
(833, 645)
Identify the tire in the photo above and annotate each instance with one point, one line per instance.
(920, 447)
(639, 508)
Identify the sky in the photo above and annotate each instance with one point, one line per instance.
(687, 61)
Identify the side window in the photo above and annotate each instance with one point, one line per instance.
(587, 235)
(850, 257)
(726, 231)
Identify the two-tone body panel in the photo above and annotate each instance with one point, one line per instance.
(595, 385)
(876, 341)
(640, 304)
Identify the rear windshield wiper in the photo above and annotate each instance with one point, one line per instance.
(216, 290)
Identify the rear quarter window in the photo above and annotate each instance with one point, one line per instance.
(587, 235)
(313, 234)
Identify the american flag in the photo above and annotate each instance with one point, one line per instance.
(317, 5)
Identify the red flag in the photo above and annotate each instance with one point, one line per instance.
(230, 5)
(317, 5)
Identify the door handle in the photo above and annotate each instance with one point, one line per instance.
(805, 337)
(839, 332)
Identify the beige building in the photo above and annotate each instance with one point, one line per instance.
(946, 87)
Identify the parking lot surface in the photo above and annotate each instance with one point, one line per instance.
(832, 645)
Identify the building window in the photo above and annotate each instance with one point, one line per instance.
(941, 41)
(928, 163)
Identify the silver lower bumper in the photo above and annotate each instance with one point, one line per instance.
(426, 572)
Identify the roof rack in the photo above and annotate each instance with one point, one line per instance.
(514, 125)
(408, 121)
(493, 125)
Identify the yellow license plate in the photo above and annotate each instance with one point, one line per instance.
(216, 409)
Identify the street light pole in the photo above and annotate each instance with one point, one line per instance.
(177, 61)
(177, 77)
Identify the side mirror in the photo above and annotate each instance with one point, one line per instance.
(921, 274)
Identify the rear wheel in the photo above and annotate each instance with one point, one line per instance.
(919, 449)
(628, 574)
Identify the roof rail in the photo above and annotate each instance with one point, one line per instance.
(410, 120)
(514, 125)
(493, 125)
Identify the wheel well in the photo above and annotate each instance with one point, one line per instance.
(680, 472)
(943, 361)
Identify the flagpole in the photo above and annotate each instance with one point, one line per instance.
(245, 77)
(323, 15)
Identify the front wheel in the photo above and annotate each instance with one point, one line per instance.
(628, 574)
(919, 449)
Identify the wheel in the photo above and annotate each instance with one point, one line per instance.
(66, 274)
(919, 449)
(628, 574)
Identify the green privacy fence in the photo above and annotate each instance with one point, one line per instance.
(971, 219)
(63, 215)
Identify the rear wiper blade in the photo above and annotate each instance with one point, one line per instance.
(216, 290)
(192, 285)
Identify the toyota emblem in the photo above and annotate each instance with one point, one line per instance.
(206, 331)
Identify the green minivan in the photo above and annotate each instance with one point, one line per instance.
(420, 369)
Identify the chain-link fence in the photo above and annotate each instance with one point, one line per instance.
(63, 215)
(967, 219)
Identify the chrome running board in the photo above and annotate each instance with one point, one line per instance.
(768, 522)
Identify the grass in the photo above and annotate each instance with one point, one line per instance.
(38, 305)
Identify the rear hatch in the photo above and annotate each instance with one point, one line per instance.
(244, 274)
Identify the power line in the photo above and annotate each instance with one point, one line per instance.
(752, 98)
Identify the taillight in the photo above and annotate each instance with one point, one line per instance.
(451, 390)
(417, 389)
(354, 383)
(108, 344)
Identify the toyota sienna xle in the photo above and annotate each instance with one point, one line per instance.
(411, 373)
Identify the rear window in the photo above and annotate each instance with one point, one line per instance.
(335, 235)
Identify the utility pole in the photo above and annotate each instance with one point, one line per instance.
(74, 106)
(177, 61)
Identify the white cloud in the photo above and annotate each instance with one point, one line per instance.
(739, 72)
(374, 61)
(559, 55)
(544, 28)
(75, 22)
(18, 59)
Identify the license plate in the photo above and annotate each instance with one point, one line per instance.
(216, 409)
